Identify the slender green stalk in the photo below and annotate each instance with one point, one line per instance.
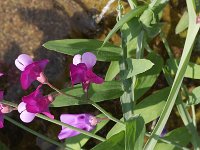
(59, 91)
(106, 113)
(168, 142)
(9, 103)
(126, 99)
(70, 127)
(33, 132)
(59, 123)
(132, 3)
(166, 45)
(194, 115)
(93, 103)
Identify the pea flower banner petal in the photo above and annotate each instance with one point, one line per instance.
(31, 70)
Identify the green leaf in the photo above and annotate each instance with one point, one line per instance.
(72, 47)
(194, 97)
(97, 93)
(183, 23)
(113, 70)
(146, 80)
(133, 13)
(149, 108)
(136, 66)
(115, 142)
(147, 17)
(192, 70)
(192, 33)
(134, 134)
(180, 136)
(77, 142)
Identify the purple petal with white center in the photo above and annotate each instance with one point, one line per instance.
(77, 59)
(26, 116)
(1, 74)
(22, 61)
(31, 72)
(21, 107)
(1, 121)
(66, 132)
(89, 59)
(77, 73)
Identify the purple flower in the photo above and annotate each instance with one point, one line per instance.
(31, 70)
(34, 103)
(85, 122)
(81, 70)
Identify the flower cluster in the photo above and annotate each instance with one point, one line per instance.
(36, 103)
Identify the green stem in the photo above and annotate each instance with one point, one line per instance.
(127, 102)
(9, 103)
(59, 123)
(194, 115)
(132, 3)
(93, 103)
(166, 45)
(59, 91)
(106, 113)
(70, 127)
(33, 132)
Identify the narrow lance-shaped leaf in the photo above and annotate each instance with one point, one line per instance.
(97, 93)
(72, 47)
(183, 23)
(113, 70)
(134, 134)
(137, 66)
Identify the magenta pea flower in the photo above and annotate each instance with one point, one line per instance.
(81, 70)
(85, 122)
(34, 103)
(31, 70)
